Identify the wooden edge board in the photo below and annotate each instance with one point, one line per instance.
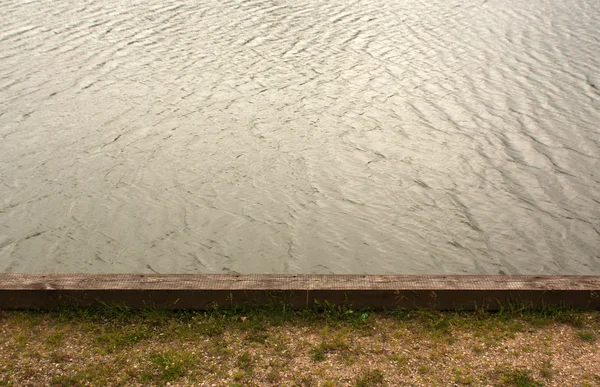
(203, 291)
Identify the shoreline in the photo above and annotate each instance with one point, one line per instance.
(201, 292)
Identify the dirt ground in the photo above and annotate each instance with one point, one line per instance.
(336, 347)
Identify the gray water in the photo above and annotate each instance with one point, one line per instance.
(279, 136)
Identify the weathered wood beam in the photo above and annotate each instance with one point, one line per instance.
(204, 291)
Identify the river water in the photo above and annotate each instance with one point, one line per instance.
(279, 136)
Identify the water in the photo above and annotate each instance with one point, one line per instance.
(306, 136)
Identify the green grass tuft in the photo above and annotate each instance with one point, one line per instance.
(519, 378)
(245, 362)
(169, 366)
(370, 379)
(588, 337)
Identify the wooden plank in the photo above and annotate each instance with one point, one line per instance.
(197, 291)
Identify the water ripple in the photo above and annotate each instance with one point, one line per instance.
(248, 136)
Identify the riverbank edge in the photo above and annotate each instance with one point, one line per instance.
(205, 291)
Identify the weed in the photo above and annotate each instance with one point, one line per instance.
(317, 353)
(245, 362)
(306, 381)
(461, 378)
(259, 337)
(336, 315)
(64, 381)
(91, 374)
(58, 357)
(338, 342)
(21, 341)
(588, 337)
(210, 327)
(238, 375)
(546, 369)
(424, 369)
(401, 363)
(4, 372)
(400, 360)
(156, 316)
(117, 338)
(273, 376)
(519, 378)
(28, 319)
(169, 365)
(55, 339)
(589, 380)
(370, 379)
(549, 315)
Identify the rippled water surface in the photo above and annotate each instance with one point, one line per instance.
(339, 136)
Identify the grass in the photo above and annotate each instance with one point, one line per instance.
(328, 345)
(333, 341)
(588, 337)
(519, 378)
(118, 338)
(168, 366)
(244, 362)
(546, 370)
(317, 353)
(370, 379)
